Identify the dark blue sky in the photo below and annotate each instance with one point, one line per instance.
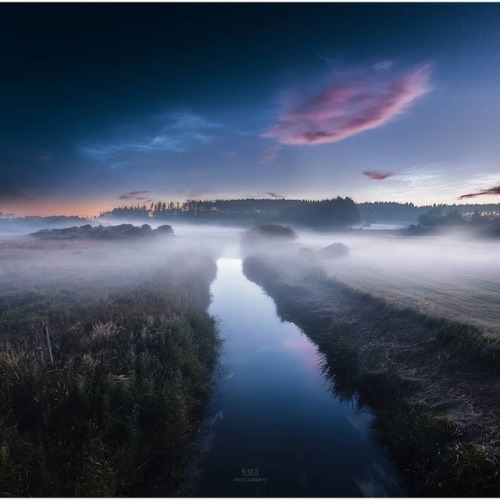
(105, 104)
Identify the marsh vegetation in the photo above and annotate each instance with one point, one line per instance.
(430, 381)
(108, 408)
(406, 328)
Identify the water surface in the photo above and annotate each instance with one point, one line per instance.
(275, 429)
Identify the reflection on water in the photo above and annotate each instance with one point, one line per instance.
(273, 427)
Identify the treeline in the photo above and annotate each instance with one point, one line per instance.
(241, 208)
(316, 213)
(330, 212)
(249, 206)
(438, 216)
(334, 212)
(477, 224)
(381, 211)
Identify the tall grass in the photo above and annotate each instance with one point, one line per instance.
(435, 454)
(114, 398)
(114, 412)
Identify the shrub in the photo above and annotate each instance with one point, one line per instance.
(334, 250)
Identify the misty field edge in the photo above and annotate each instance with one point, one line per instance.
(436, 456)
(115, 412)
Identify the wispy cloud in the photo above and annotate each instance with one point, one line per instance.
(172, 133)
(271, 154)
(383, 65)
(441, 181)
(353, 102)
(274, 195)
(46, 156)
(492, 191)
(191, 121)
(133, 195)
(377, 175)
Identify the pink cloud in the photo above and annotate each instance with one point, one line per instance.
(376, 175)
(492, 191)
(349, 105)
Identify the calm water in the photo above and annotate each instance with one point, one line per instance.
(273, 426)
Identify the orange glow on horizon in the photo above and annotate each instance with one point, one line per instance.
(47, 208)
(92, 208)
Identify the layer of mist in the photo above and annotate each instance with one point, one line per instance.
(446, 275)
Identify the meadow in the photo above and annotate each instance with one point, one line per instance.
(109, 405)
(450, 276)
(430, 381)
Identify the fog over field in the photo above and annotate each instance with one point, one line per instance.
(128, 280)
(30, 262)
(449, 275)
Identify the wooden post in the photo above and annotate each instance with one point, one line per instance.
(39, 355)
(47, 338)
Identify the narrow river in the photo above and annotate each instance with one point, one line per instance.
(274, 428)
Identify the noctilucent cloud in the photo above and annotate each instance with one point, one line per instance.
(110, 104)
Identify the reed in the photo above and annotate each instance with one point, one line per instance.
(437, 456)
(113, 414)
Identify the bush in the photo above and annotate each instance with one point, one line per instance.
(270, 231)
(334, 250)
(87, 232)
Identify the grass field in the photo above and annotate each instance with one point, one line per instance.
(432, 383)
(449, 277)
(133, 352)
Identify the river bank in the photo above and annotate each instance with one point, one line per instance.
(274, 427)
(109, 405)
(432, 384)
